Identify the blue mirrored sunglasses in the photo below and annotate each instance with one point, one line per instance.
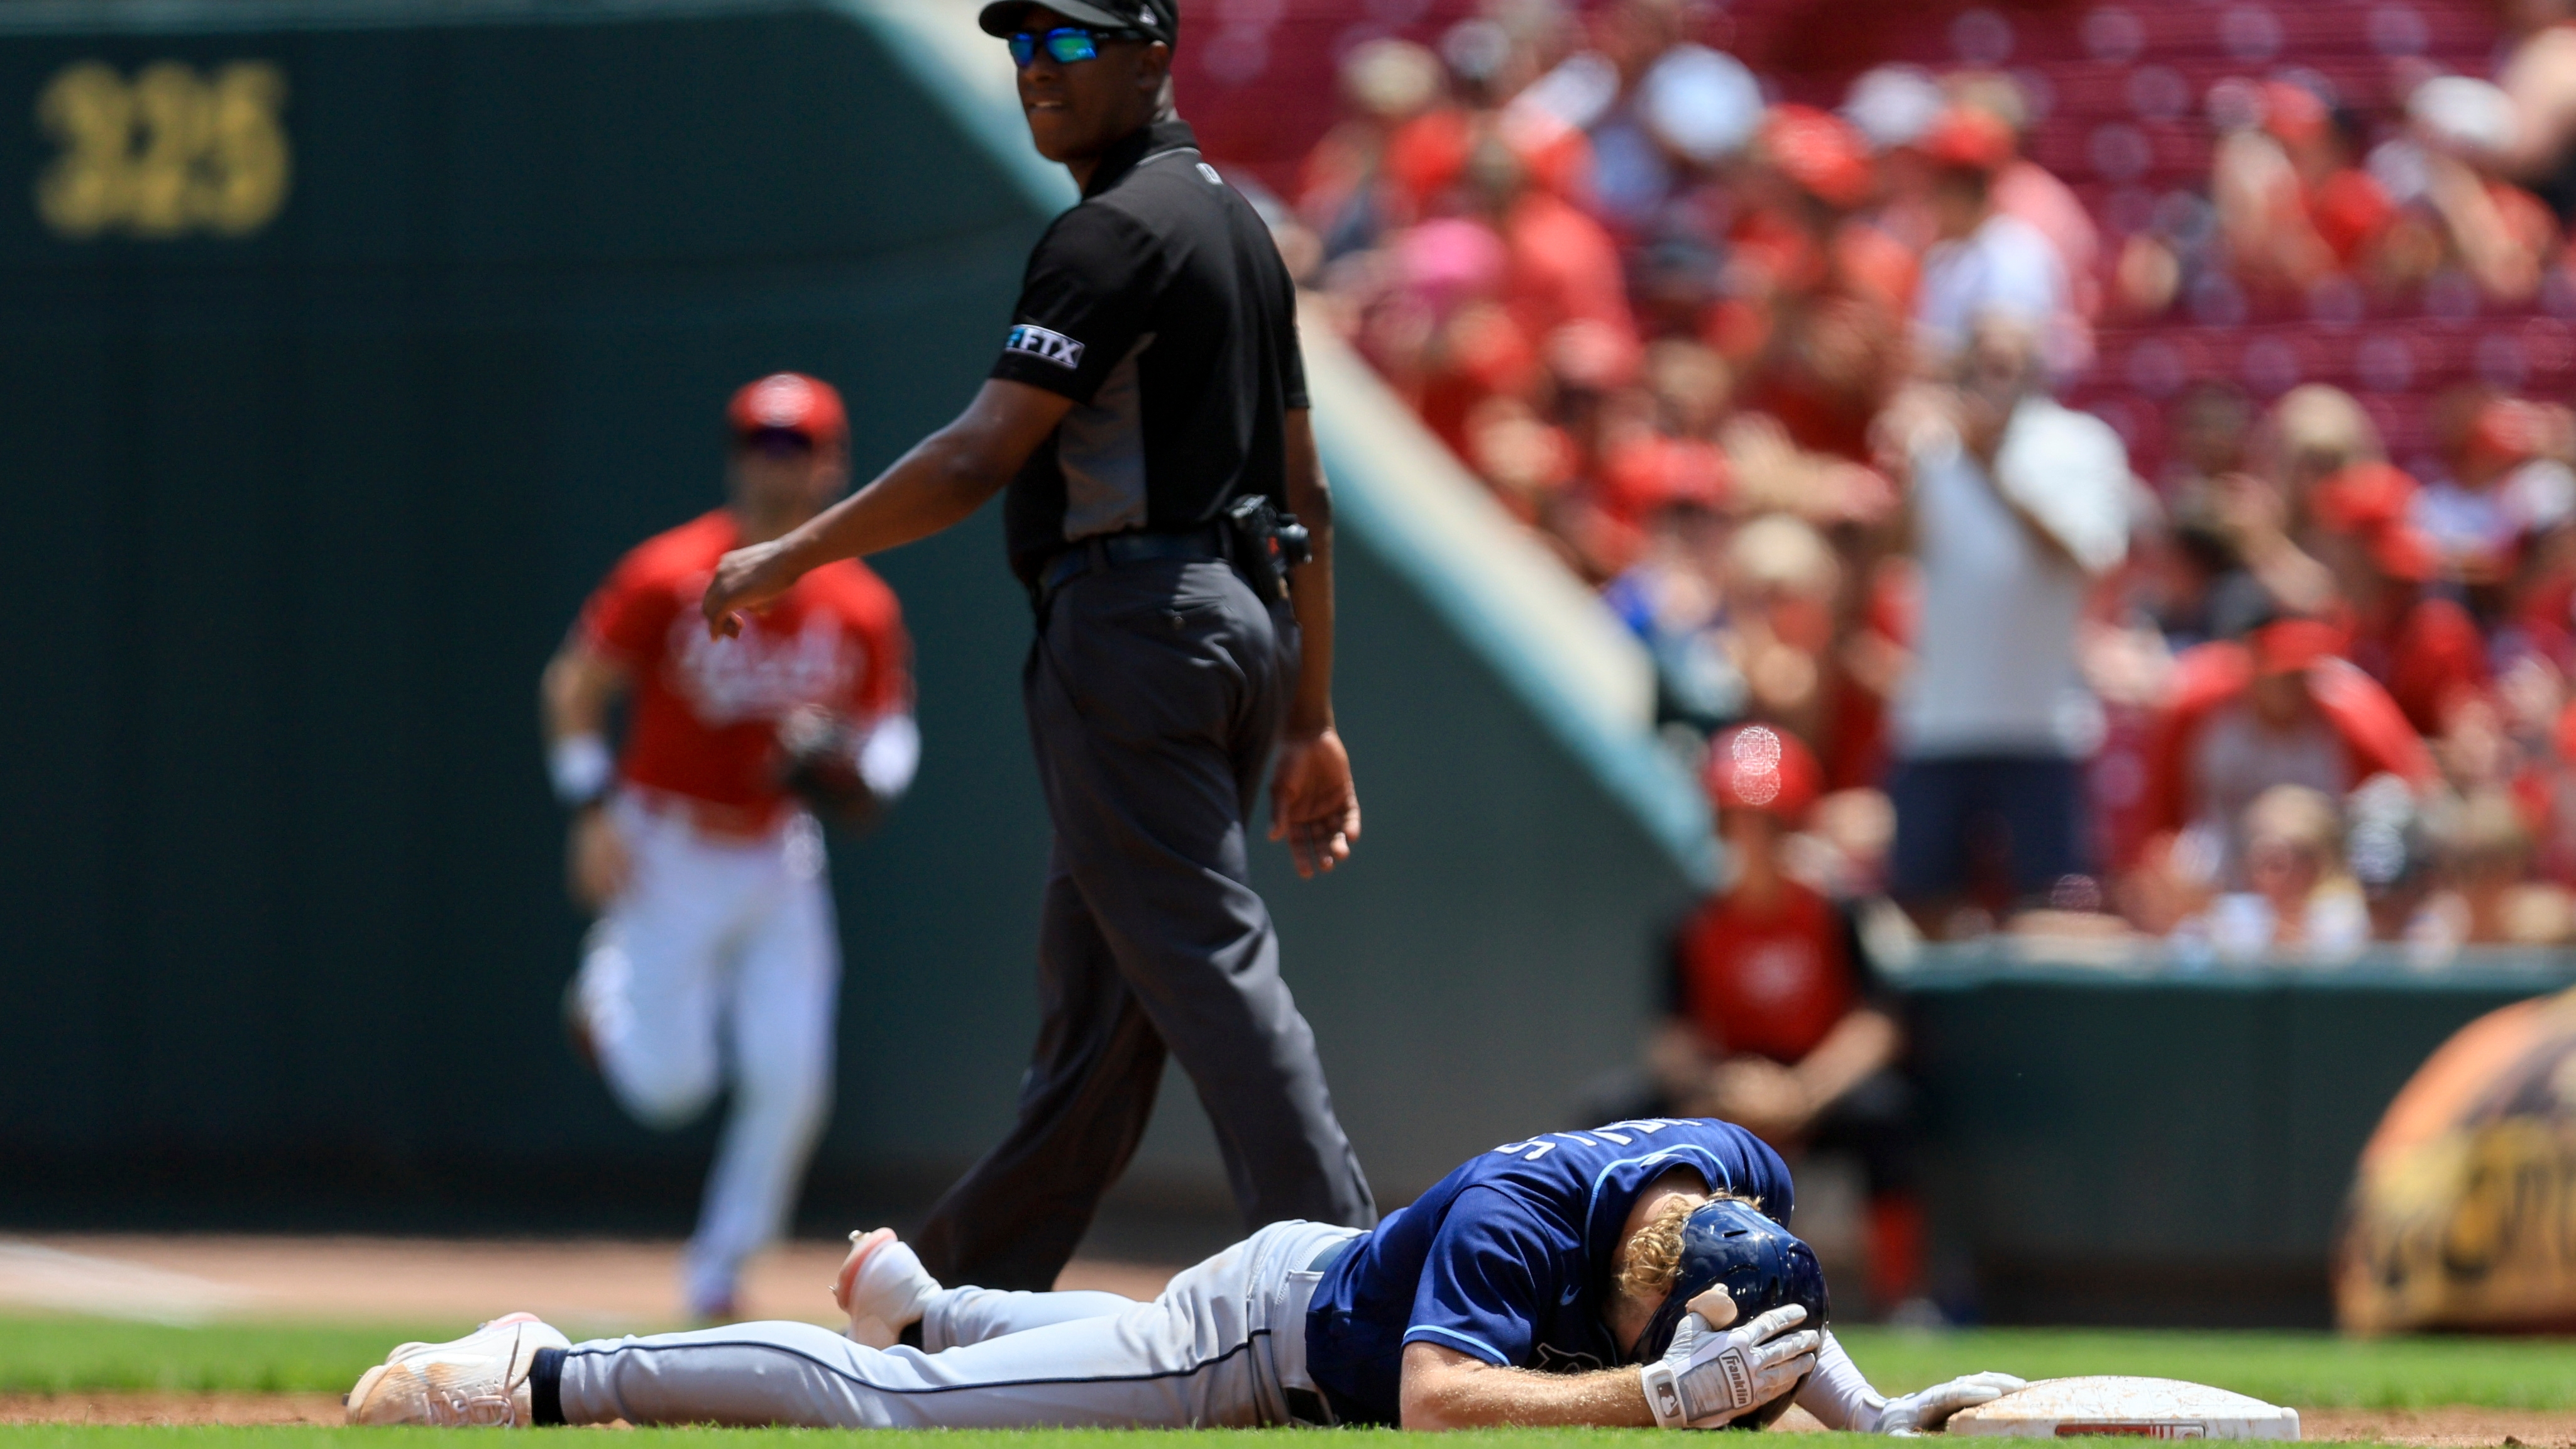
(1066, 44)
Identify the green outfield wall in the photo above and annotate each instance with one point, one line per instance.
(2117, 1143)
(344, 346)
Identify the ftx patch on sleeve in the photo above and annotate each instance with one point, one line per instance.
(1047, 346)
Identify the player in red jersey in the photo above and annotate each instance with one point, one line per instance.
(715, 946)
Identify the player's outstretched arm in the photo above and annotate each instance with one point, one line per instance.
(1446, 1389)
(1840, 1397)
(1708, 1378)
(945, 477)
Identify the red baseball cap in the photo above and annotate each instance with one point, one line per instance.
(2362, 498)
(2290, 646)
(2293, 112)
(789, 402)
(1646, 473)
(2403, 551)
(1758, 767)
(2370, 502)
(1820, 152)
(1969, 139)
(2506, 430)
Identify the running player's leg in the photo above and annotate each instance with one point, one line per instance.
(779, 1019)
(1197, 1356)
(1014, 1219)
(646, 992)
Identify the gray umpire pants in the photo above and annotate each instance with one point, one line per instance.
(1224, 1346)
(1155, 693)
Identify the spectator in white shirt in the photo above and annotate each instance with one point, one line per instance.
(1987, 264)
(2017, 505)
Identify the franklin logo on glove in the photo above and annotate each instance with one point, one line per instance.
(1710, 1378)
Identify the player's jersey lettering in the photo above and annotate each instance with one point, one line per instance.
(701, 720)
(1536, 1148)
(763, 675)
(1045, 346)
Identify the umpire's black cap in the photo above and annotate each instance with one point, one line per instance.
(1160, 19)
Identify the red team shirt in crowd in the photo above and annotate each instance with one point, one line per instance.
(1773, 983)
(702, 719)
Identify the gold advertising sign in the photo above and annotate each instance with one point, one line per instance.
(2464, 1214)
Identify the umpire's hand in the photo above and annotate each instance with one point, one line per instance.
(1313, 805)
(746, 579)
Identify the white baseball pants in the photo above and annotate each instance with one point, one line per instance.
(1217, 1349)
(721, 960)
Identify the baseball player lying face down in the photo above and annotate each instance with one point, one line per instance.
(1636, 1274)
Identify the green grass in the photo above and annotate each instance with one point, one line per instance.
(65, 1355)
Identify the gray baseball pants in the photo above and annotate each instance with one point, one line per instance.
(1219, 1348)
(1155, 693)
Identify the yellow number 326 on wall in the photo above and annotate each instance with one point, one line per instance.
(165, 154)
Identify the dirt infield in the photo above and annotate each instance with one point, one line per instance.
(2450, 1427)
(597, 1285)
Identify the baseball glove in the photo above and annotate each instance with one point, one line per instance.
(818, 761)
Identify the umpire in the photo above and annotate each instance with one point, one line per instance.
(1148, 415)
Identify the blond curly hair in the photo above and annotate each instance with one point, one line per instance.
(1649, 1262)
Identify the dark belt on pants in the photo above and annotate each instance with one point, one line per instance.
(1308, 1406)
(1117, 550)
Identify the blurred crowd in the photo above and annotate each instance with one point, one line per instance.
(1781, 381)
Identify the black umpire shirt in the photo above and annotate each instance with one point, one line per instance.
(1158, 305)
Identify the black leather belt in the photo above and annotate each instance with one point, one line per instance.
(1117, 550)
(1309, 1406)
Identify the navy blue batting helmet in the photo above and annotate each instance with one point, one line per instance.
(1760, 1264)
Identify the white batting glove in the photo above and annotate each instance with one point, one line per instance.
(1927, 1409)
(1707, 1377)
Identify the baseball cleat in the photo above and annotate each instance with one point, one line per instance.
(478, 1381)
(884, 1287)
